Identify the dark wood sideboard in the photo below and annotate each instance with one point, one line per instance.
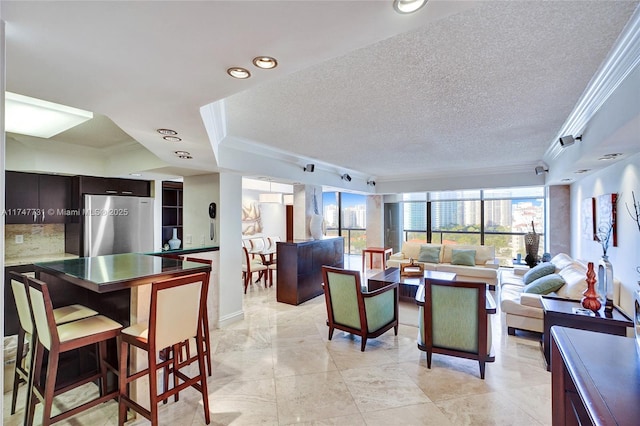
(595, 378)
(299, 264)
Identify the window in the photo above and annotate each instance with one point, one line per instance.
(497, 217)
(346, 214)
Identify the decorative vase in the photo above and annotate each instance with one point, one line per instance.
(590, 299)
(605, 282)
(174, 242)
(315, 226)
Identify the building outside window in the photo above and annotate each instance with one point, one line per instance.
(345, 214)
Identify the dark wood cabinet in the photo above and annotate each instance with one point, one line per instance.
(172, 203)
(114, 186)
(55, 197)
(595, 378)
(300, 267)
(36, 198)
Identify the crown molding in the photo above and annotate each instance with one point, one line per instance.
(623, 58)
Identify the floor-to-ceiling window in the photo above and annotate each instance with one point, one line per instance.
(497, 217)
(345, 214)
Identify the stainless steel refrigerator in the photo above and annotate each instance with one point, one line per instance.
(117, 224)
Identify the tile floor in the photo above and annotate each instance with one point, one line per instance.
(277, 367)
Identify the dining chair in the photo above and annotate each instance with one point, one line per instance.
(58, 339)
(177, 307)
(249, 268)
(27, 331)
(365, 314)
(454, 320)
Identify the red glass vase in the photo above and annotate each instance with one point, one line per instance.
(590, 299)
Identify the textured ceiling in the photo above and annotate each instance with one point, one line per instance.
(486, 88)
(459, 87)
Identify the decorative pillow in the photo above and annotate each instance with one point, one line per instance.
(545, 284)
(575, 276)
(463, 257)
(538, 271)
(429, 254)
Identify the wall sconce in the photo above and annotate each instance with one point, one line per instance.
(309, 168)
(371, 182)
(345, 177)
(568, 140)
(542, 169)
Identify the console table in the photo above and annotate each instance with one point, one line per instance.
(560, 312)
(595, 378)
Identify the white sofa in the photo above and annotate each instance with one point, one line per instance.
(523, 311)
(485, 269)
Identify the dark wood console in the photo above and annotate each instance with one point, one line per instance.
(300, 267)
(595, 378)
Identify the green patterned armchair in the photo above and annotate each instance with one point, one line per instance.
(368, 314)
(454, 320)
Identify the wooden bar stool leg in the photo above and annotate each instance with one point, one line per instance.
(207, 339)
(36, 374)
(153, 386)
(177, 357)
(49, 387)
(122, 380)
(102, 353)
(17, 379)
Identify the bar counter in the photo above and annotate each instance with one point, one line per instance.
(108, 273)
(113, 284)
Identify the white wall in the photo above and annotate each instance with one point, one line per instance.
(199, 191)
(621, 178)
(273, 216)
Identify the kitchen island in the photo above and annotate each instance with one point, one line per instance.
(110, 284)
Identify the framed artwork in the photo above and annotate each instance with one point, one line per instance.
(588, 212)
(605, 217)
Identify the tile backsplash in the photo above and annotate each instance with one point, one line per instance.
(38, 239)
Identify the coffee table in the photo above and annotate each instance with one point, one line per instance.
(408, 286)
(560, 312)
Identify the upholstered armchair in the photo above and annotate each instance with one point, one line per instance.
(365, 314)
(454, 320)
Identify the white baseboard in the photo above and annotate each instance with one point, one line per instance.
(231, 318)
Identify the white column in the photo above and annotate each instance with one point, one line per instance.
(230, 234)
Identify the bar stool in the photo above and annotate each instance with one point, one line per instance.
(205, 319)
(177, 306)
(185, 344)
(27, 330)
(58, 339)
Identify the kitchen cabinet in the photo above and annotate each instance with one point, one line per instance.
(36, 198)
(114, 186)
(171, 209)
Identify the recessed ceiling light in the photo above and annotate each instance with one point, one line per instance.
(265, 62)
(167, 132)
(566, 180)
(582, 171)
(238, 72)
(182, 153)
(408, 6)
(185, 157)
(171, 138)
(135, 174)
